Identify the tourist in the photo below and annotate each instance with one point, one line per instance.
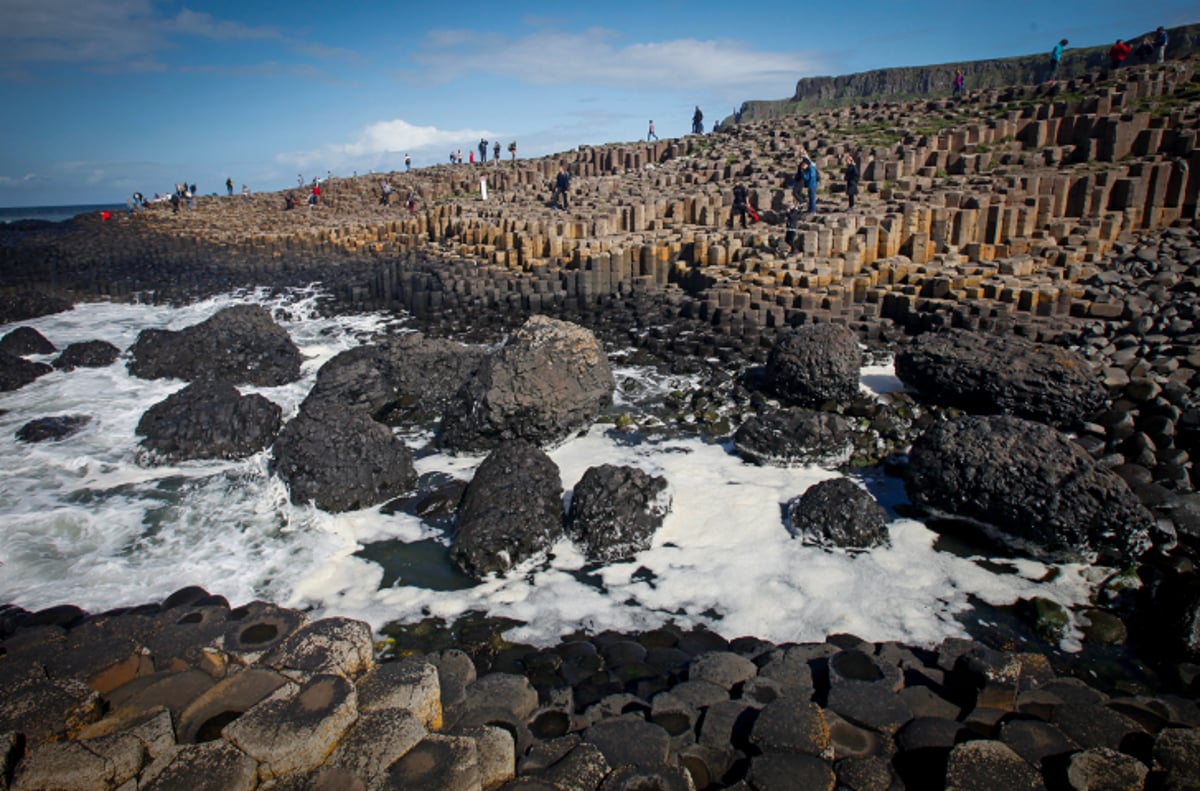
(412, 201)
(697, 122)
(808, 178)
(793, 227)
(512, 149)
(483, 144)
(741, 200)
(651, 134)
(851, 179)
(191, 196)
(385, 193)
(315, 195)
(245, 192)
(1145, 50)
(959, 80)
(299, 179)
(562, 185)
(472, 155)
(229, 186)
(289, 201)
(1160, 45)
(460, 161)
(496, 152)
(1117, 55)
(407, 162)
(175, 202)
(1056, 55)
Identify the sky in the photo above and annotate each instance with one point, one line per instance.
(106, 98)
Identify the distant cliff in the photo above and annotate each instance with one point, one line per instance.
(911, 81)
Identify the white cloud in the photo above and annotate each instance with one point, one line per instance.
(596, 56)
(385, 139)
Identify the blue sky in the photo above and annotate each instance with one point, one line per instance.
(105, 97)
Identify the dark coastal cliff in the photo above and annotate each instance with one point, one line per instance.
(914, 81)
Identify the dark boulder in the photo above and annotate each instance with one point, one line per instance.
(240, 345)
(615, 511)
(787, 437)
(24, 341)
(814, 364)
(989, 374)
(511, 510)
(838, 513)
(16, 372)
(87, 354)
(401, 376)
(208, 420)
(550, 378)
(52, 428)
(1031, 484)
(29, 305)
(341, 459)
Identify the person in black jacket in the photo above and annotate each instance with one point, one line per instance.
(562, 185)
(851, 179)
(740, 202)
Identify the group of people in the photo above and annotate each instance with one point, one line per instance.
(456, 157)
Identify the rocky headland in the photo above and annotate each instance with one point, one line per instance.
(1030, 257)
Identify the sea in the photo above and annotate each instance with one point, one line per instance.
(86, 521)
(55, 213)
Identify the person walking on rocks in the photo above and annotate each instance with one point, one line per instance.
(741, 200)
(562, 185)
(1117, 55)
(851, 174)
(651, 134)
(407, 162)
(245, 192)
(959, 81)
(808, 178)
(496, 152)
(1160, 45)
(512, 149)
(793, 227)
(697, 122)
(229, 186)
(385, 193)
(482, 150)
(1056, 56)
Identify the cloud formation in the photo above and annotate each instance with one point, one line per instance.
(597, 56)
(381, 140)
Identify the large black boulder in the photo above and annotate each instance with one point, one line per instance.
(549, 379)
(241, 344)
(208, 420)
(838, 513)
(56, 427)
(616, 510)
(1031, 484)
(341, 459)
(990, 374)
(814, 364)
(16, 372)
(397, 378)
(511, 510)
(87, 354)
(24, 341)
(786, 437)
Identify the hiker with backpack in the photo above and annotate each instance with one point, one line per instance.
(807, 178)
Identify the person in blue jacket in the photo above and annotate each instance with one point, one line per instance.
(808, 178)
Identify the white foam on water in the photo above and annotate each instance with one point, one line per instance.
(83, 523)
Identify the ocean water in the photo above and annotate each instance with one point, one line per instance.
(55, 213)
(85, 523)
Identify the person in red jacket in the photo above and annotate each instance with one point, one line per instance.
(1118, 53)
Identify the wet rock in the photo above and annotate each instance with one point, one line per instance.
(438, 763)
(289, 736)
(341, 459)
(784, 771)
(632, 778)
(814, 364)
(790, 437)
(630, 740)
(47, 709)
(225, 701)
(87, 354)
(255, 628)
(208, 420)
(550, 378)
(791, 725)
(615, 511)
(24, 341)
(988, 374)
(838, 513)
(511, 510)
(402, 379)
(16, 372)
(58, 427)
(241, 344)
(1177, 754)
(1030, 483)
